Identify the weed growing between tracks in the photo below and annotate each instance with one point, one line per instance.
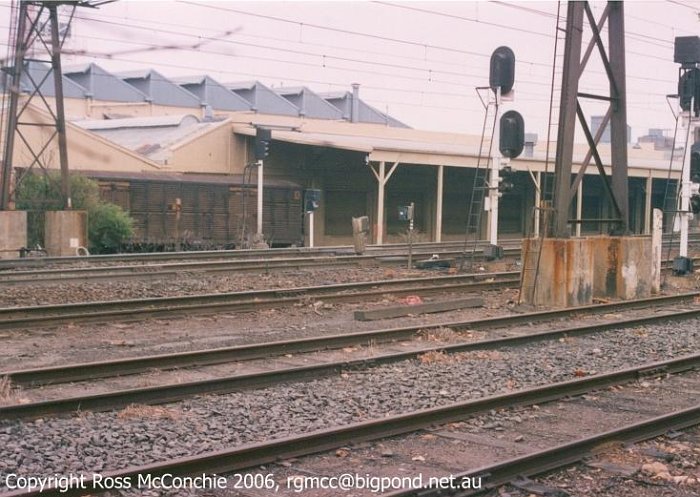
(8, 395)
(140, 411)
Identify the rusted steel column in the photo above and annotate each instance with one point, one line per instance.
(618, 120)
(567, 119)
(60, 114)
(14, 92)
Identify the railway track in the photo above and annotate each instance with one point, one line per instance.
(207, 357)
(138, 309)
(224, 264)
(270, 451)
(175, 392)
(373, 252)
(399, 250)
(162, 270)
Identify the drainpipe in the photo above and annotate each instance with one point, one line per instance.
(355, 113)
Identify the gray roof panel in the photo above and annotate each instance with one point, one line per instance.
(159, 89)
(368, 114)
(310, 104)
(102, 85)
(38, 70)
(263, 99)
(211, 92)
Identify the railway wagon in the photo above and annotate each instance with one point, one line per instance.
(214, 211)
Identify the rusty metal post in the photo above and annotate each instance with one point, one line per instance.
(14, 91)
(567, 119)
(618, 121)
(60, 114)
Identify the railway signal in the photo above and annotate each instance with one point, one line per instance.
(312, 201)
(407, 213)
(512, 136)
(263, 137)
(502, 70)
(686, 52)
(695, 178)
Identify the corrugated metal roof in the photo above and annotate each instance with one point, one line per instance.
(424, 150)
(102, 85)
(309, 103)
(211, 92)
(263, 99)
(152, 137)
(170, 177)
(138, 122)
(159, 89)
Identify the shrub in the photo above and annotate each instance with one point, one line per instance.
(108, 227)
(108, 224)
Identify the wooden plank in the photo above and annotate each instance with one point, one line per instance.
(405, 310)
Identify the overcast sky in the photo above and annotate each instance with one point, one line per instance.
(418, 61)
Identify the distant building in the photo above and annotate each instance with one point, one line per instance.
(605, 138)
(659, 138)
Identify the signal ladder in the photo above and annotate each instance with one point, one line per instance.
(480, 185)
(542, 215)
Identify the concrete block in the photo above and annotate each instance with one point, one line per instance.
(563, 275)
(65, 232)
(623, 267)
(13, 233)
(573, 271)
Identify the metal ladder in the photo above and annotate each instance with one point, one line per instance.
(480, 185)
(531, 263)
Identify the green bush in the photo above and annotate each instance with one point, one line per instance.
(108, 224)
(108, 227)
(42, 192)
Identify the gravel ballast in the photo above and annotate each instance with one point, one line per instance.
(110, 441)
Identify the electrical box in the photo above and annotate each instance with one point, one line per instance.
(682, 265)
(686, 50)
(493, 252)
(406, 212)
(312, 199)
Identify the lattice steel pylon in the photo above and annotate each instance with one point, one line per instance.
(570, 108)
(39, 38)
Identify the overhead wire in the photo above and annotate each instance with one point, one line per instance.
(429, 72)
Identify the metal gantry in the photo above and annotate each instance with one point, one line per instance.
(39, 39)
(613, 59)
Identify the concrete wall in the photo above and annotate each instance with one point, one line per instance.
(212, 152)
(13, 233)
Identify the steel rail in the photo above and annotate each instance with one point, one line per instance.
(179, 391)
(562, 455)
(137, 309)
(171, 269)
(511, 247)
(255, 454)
(134, 365)
(398, 249)
(156, 271)
(141, 271)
